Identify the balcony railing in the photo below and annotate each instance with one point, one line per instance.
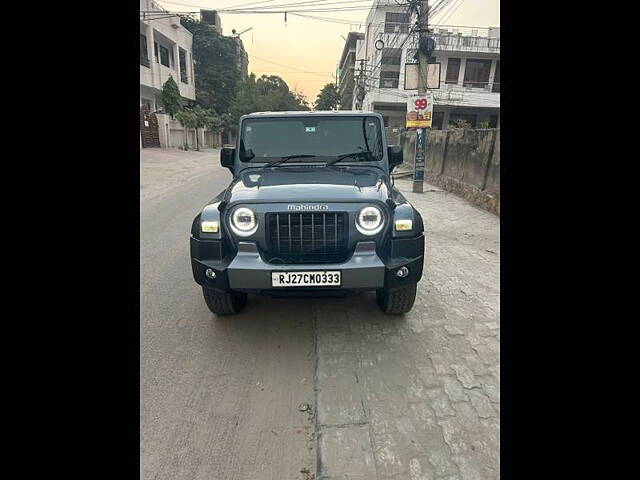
(470, 86)
(461, 42)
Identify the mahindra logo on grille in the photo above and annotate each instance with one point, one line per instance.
(307, 207)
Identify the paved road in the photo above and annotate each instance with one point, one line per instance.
(413, 398)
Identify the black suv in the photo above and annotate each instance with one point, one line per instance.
(311, 211)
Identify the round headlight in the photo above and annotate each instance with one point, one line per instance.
(369, 221)
(243, 222)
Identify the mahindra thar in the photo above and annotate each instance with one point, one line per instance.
(311, 211)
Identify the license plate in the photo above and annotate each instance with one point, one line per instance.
(306, 279)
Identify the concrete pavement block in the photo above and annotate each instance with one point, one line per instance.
(346, 453)
(339, 399)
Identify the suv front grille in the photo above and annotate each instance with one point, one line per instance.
(307, 237)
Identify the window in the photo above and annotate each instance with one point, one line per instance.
(390, 107)
(396, 22)
(397, 17)
(183, 65)
(391, 56)
(493, 121)
(476, 73)
(164, 56)
(453, 70)
(144, 56)
(438, 119)
(496, 79)
(389, 79)
(146, 103)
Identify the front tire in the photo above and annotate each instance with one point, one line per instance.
(224, 303)
(398, 300)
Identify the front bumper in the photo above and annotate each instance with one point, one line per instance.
(248, 272)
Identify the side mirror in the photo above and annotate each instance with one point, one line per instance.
(226, 157)
(394, 152)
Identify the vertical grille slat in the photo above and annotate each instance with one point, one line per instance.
(324, 230)
(307, 238)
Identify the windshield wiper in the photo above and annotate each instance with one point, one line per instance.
(285, 159)
(350, 155)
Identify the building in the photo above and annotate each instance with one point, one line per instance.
(211, 18)
(165, 51)
(346, 69)
(469, 59)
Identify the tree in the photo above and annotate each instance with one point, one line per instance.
(301, 100)
(170, 97)
(188, 120)
(267, 93)
(202, 118)
(215, 66)
(328, 98)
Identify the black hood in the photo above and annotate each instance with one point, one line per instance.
(309, 184)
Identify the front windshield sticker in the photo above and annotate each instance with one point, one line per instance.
(310, 129)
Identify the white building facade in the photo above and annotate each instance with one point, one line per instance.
(469, 60)
(165, 51)
(346, 69)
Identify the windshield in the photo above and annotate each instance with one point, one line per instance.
(318, 138)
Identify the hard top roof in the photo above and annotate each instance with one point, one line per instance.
(342, 113)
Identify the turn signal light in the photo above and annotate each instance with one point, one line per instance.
(210, 226)
(404, 225)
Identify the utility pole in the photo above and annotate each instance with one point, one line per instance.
(360, 91)
(423, 60)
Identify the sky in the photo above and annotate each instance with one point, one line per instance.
(307, 50)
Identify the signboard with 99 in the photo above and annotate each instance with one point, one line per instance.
(419, 111)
